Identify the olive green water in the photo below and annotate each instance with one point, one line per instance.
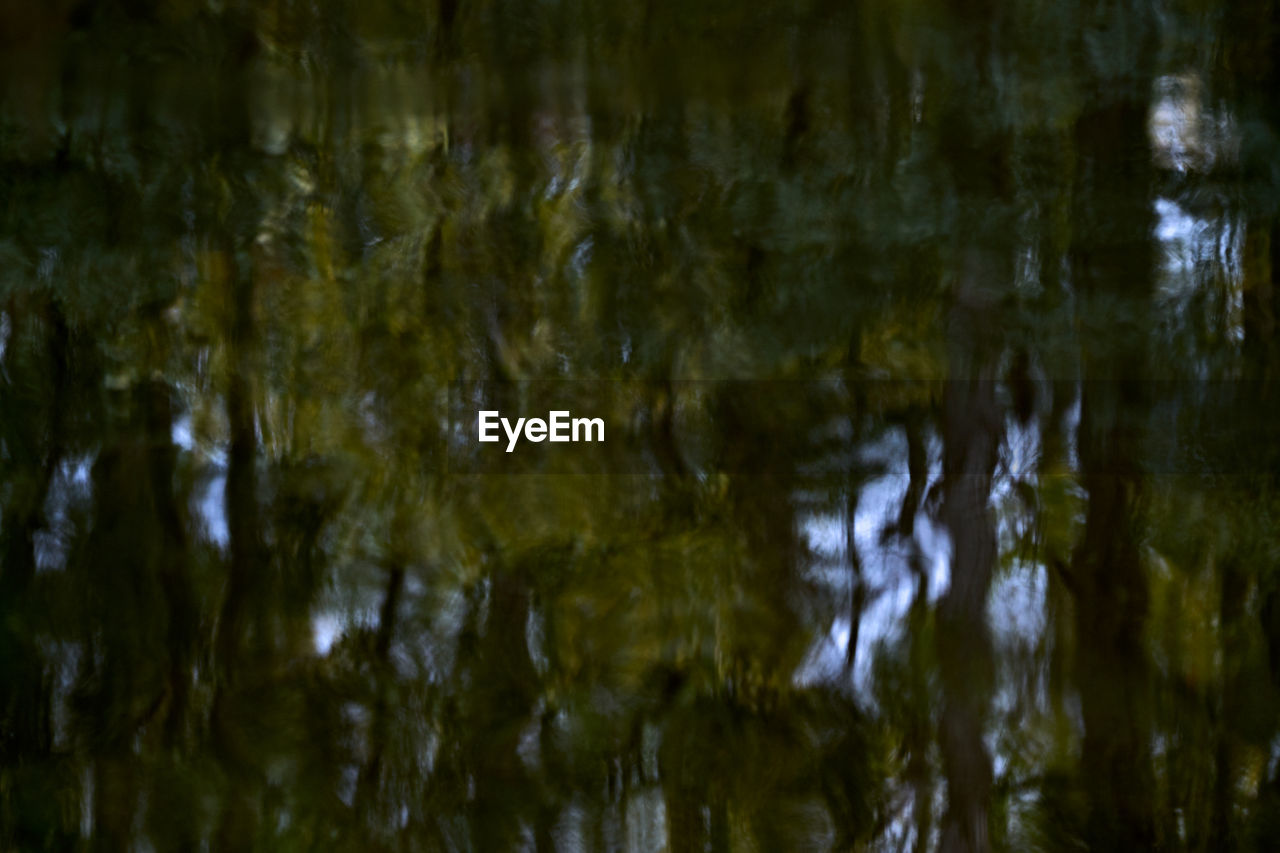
(979, 550)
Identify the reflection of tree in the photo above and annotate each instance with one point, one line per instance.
(247, 259)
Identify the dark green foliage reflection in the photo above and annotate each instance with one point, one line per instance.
(1016, 586)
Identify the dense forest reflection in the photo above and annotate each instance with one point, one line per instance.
(1017, 585)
